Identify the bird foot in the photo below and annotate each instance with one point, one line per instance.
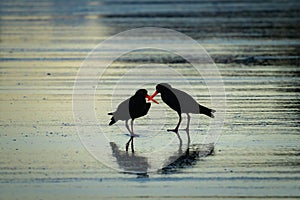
(173, 130)
(126, 147)
(134, 135)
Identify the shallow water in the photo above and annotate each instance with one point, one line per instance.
(255, 46)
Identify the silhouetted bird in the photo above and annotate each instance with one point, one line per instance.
(181, 102)
(132, 108)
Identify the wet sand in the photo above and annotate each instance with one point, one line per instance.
(255, 46)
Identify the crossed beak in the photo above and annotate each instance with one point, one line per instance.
(152, 97)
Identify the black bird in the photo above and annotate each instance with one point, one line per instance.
(181, 102)
(132, 108)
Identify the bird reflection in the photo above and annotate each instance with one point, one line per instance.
(133, 164)
(130, 162)
(189, 157)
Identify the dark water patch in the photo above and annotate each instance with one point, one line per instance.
(47, 50)
(51, 180)
(225, 14)
(258, 60)
(41, 59)
(155, 179)
(155, 60)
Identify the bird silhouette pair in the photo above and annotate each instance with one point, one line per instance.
(136, 106)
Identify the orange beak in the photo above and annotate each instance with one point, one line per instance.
(151, 99)
(154, 94)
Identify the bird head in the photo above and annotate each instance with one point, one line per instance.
(144, 93)
(141, 92)
(161, 88)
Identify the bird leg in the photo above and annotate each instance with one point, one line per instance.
(188, 137)
(180, 142)
(188, 122)
(126, 124)
(176, 129)
(131, 136)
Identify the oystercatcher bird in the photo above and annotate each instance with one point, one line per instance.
(132, 108)
(181, 102)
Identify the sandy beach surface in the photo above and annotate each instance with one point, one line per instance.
(255, 45)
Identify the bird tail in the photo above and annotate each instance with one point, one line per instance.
(112, 121)
(207, 111)
(110, 113)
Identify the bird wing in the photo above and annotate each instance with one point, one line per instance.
(187, 103)
(122, 112)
